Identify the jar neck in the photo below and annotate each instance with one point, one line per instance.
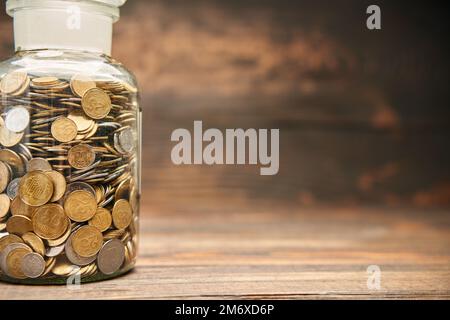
(72, 25)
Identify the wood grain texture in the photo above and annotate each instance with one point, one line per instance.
(313, 253)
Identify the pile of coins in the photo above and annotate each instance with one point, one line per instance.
(68, 176)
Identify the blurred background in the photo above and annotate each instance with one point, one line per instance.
(363, 115)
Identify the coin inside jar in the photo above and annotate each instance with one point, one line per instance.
(4, 176)
(19, 225)
(5, 203)
(38, 164)
(50, 221)
(96, 103)
(59, 184)
(80, 84)
(64, 130)
(111, 256)
(17, 119)
(122, 214)
(101, 220)
(80, 205)
(81, 156)
(32, 265)
(13, 81)
(35, 188)
(87, 241)
(9, 138)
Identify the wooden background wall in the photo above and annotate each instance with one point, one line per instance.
(364, 115)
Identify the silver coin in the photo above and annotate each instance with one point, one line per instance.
(17, 119)
(75, 258)
(54, 251)
(74, 186)
(33, 265)
(13, 188)
(111, 256)
(126, 140)
(38, 164)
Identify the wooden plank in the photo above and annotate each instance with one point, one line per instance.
(300, 254)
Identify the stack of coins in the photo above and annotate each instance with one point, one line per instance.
(68, 176)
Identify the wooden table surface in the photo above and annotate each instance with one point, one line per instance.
(301, 254)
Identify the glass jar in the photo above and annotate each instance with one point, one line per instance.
(69, 146)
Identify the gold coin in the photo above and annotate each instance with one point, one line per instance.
(45, 81)
(14, 262)
(102, 219)
(13, 160)
(59, 184)
(38, 164)
(64, 130)
(8, 239)
(5, 203)
(4, 176)
(13, 81)
(96, 103)
(9, 138)
(80, 205)
(18, 207)
(81, 156)
(80, 84)
(83, 123)
(122, 214)
(34, 242)
(50, 221)
(19, 225)
(35, 188)
(87, 241)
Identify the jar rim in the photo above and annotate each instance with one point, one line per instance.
(106, 7)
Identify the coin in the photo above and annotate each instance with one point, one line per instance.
(126, 141)
(74, 257)
(13, 81)
(12, 260)
(101, 220)
(38, 164)
(74, 186)
(12, 159)
(82, 122)
(96, 103)
(19, 225)
(17, 119)
(35, 188)
(44, 81)
(34, 242)
(54, 251)
(87, 241)
(4, 176)
(50, 221)
(7, 240)
(80, 84)
(33, 265)
(111, 256)
(5, 203)
(63, 267)
(81, 156)
(57, 242)
(122, 214)
(64, 130)
(80, 205)
(18, 207)
(13, 188)
(9, 138)
(59, 185)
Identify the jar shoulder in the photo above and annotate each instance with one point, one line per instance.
(64, 64)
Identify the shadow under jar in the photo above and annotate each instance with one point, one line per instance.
(70, 137)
